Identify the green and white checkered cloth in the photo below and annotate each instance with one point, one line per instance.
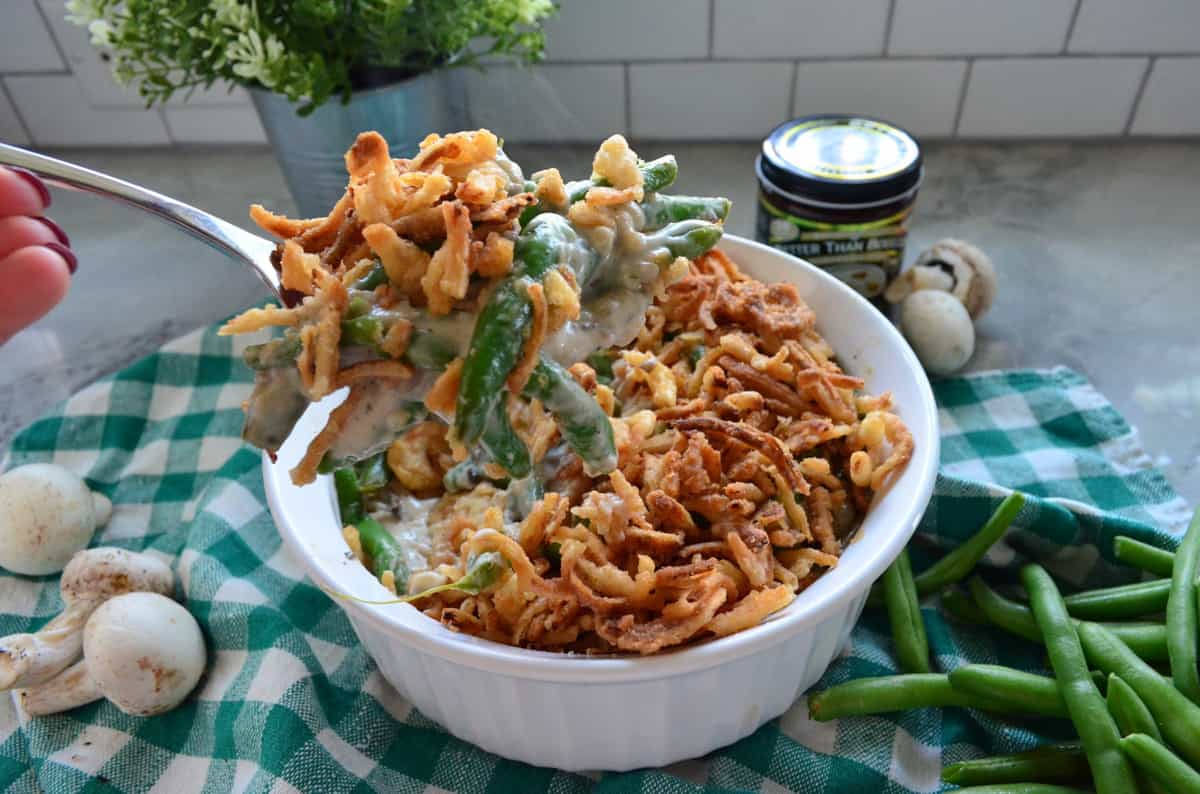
(291, 701)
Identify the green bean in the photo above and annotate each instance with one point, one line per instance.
(583, 424)
(896, 693)
(689, 239)
(602, 362)
(1181, 613)
(349, 498)
(1110, 770)
(483, 571)
(1148, 640)
(957, 564)
(384, 553)
(1021, 788)
(1128, 710)
(659, 210)
(1122, 601)
(1132, 716)
(372, 473)
(1052, 764)
(504, 445)
(1160, 764)
(428, 350)
(363, 330)
(657, 174)
(503, 325)
(375, 276)
(280, 352)
(1025, 692)
(904, 613)
(463, 476)
(1144, 556)
(1178, 718)
(963, 608)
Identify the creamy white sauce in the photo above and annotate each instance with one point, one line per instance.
(408, 521)
(516, 179)
(382, 413)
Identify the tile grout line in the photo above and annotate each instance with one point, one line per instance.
(40, 73)
(1071, 27)
(62, 52)
(1141, 92)
(17, 112)
(1049, 56)
(628, 100)
(162, 116)
(887, 28)
(712, 27)
(791, 110)
(962, 97)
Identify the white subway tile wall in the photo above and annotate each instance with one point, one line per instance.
(56, 113)
(25, 44)
(979, 27)
(558, 102)
(1049, 97)
(710, 69)
(11, 129)
(628, 30)
(798, 28)
(1137, 26)
(204, 123)
(919, 95)
(1168, 105)
(708, 101)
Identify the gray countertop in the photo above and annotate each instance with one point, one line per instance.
(1095, 244)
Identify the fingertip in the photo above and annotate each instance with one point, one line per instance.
(27, 194)
(33, 280)
(68, 256)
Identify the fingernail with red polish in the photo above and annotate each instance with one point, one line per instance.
(67, 254)
(54, 227)
(32, 179)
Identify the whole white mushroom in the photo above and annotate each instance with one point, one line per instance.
(90, 578)
(47, 514)
(939, 329)
(141, 651)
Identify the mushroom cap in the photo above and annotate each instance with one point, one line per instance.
(939, 329)
(974, 275)
(144, 651)
(46, 515)
(106, 571)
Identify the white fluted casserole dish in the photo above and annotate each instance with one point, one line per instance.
(582, 713)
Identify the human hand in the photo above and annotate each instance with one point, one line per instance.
(36, 261)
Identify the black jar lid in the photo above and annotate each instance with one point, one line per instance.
(843, 160)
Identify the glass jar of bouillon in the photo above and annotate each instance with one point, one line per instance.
(838, 191)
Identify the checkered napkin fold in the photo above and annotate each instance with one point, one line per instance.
(291, 701)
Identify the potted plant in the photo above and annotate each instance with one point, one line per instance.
(318, 71)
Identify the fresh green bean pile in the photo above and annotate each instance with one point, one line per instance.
(1142, 733)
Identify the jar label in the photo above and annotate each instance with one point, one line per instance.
(867, 256)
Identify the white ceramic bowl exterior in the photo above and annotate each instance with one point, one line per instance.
(581, 713)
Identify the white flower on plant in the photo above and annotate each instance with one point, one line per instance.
(83, 12)
(101, 33)
(252, 57)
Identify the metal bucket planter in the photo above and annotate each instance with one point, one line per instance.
(310, 149)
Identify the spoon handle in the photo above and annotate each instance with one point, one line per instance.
(250, 249)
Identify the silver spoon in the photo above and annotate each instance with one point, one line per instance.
(249, 249)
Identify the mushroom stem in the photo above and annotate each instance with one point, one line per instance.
(90, 578)
(31, 659)
(70, 689)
